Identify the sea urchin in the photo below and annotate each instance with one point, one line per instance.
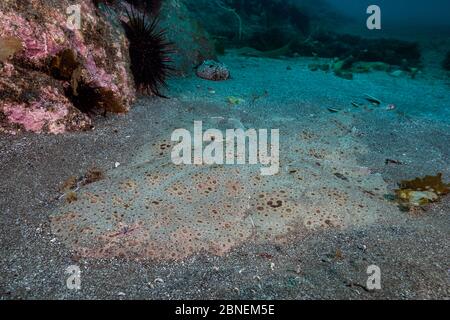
(149, 52)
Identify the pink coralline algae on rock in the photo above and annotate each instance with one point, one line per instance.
(212, 70)
(7, 69)
(31, 99)
(50, 112)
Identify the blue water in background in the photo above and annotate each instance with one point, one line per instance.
(404, 12)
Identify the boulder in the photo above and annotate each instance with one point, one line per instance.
(192, 44)
(37, 96)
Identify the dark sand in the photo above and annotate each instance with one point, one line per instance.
(411, 250)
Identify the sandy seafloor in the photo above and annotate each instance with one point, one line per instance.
(332, 163)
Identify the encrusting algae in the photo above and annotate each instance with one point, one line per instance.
(421, 191)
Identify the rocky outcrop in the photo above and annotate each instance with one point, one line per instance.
(53, 76)
(34, 96)
(192, 44)
(261, 24)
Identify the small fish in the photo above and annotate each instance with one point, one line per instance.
(373, 100)
(333, 110)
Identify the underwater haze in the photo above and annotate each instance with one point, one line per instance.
(400, 18)
(403, 12)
